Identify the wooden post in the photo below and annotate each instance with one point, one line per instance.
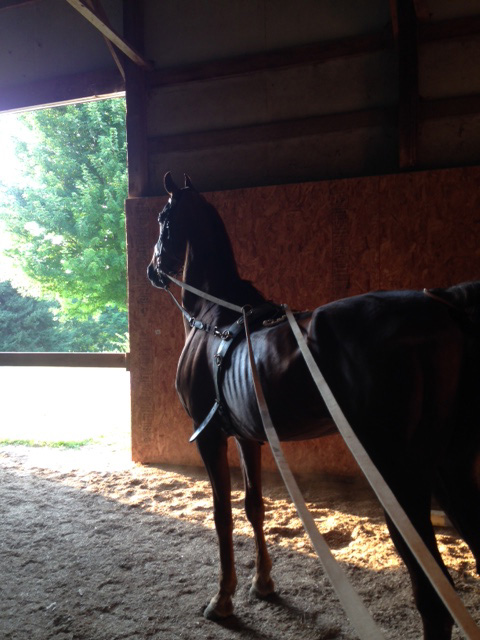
(135, 89)
(405, 30)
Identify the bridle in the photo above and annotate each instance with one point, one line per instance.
(193, 322)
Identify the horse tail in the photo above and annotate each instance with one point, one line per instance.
(463, 297)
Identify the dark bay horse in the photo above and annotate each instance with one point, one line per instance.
(404, 367)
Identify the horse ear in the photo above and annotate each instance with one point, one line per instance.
(170, 186)
(188, 182)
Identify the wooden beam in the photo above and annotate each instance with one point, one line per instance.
(109, 33)
(13, 4)
(407, 48)
(61, 90)
(394, 19)
(449, 29)
(315, 53)
(449, 107)
(136, 95)
(426, 110)
(24, 359)
(272, 131)
(96, 6)
(421, 10)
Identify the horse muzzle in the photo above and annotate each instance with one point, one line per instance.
(157, 278)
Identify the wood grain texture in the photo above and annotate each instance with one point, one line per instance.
(304, 244)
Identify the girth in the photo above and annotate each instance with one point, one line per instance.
(228, 339)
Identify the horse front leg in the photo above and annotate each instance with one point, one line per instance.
(213, 449)
(250, 454)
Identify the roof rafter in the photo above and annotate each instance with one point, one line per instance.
(96, 6)
(108, 32)
(13, 4)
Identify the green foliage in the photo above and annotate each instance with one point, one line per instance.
(67, 217)
(28, 324)
(105, 332)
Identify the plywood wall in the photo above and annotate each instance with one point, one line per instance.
(304, 244)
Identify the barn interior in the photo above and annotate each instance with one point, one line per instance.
(339, 140)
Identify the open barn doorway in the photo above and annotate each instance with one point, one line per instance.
(63, 298)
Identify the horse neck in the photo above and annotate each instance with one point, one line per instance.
(210, 266)
(209, 272)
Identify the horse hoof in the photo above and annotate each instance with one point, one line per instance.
(262, 589)
(217, 610)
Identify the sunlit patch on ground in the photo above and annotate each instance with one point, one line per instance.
(95, 546)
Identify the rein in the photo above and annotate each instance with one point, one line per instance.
(202, 294)
(431, 295)
(353, 606)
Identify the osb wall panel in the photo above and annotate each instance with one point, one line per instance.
(304, 244)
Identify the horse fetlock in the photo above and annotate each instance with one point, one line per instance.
(219, 607)
(262, 587)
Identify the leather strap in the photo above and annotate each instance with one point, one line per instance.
(350, 600)
(202, 294)
(206, 422)
(228, 339)
(385, 495)
(431, 295)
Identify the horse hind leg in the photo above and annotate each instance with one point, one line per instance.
(415, 499)
(458, 492)
(213, 449)
(250, 454)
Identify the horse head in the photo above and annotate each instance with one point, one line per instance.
(170, 249)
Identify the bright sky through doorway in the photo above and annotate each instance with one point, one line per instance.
(10, 174)
(10, 128)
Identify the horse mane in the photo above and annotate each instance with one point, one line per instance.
(237, 290)
(247, 293)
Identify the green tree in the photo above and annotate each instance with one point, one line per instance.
(28, 324)
(105, 332)
(66, 219)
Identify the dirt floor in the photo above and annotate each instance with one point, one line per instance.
(93, 547)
